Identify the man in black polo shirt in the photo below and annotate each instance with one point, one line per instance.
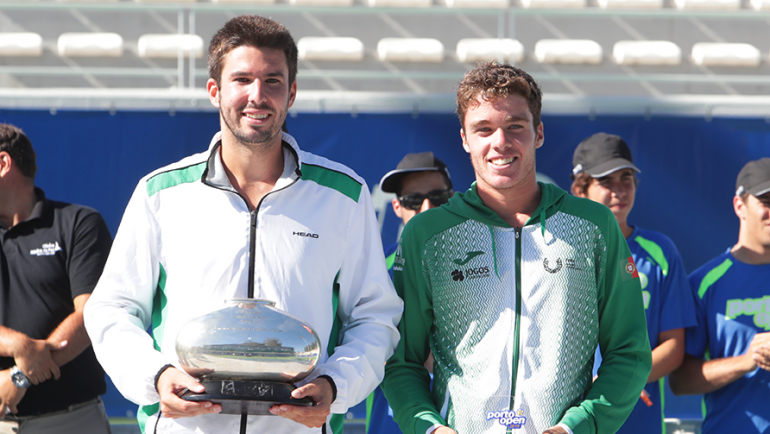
(51, 256)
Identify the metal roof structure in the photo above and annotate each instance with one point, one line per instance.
(114, 81)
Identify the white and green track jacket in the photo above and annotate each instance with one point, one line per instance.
(188, 241)
(513, 317)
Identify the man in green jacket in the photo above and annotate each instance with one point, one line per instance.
(512, 285)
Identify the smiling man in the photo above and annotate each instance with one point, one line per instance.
(728, 352)
(512, 285)
(252, 217)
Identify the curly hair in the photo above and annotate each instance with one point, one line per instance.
(491, 80)
(254, 31)
(583, 180)
(17, 145)
(580, 183)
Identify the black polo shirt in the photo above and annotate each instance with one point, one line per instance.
(46, 261)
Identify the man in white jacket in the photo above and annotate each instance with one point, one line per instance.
(254, 216)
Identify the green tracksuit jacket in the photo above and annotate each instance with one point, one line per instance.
(513, 317)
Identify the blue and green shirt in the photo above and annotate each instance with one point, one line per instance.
(732, 302)
(668, 305)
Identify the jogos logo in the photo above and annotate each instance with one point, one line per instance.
(470, 273)
(758, 307)
(509, 418)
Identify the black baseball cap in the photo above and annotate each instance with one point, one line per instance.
(419, 162)
(601, 154)
(754, 178)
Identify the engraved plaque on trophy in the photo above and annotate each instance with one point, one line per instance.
(248, 356)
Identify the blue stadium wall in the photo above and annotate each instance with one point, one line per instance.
(689, 164)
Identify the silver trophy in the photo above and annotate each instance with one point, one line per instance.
(248, 356)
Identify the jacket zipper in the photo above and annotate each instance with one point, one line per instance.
(253, 235)
(252, 260)
(517, 323)
(253, 220)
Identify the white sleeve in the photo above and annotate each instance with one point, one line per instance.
(119, 311)
(369, 309)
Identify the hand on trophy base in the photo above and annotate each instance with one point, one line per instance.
(322, 391)
(247, 396)
(171, 384)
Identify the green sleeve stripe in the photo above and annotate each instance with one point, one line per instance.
(144, 413)
(336, 423)
(712, 276)
(175, 177)
(159, 309)
(655, 252)
(390, 260)
(369, 406)
(337, 420)
(331, 178)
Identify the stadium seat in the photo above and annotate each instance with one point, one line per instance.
(401, 3)
(321, 2)
(472, 50)
(410, 50)
(707, 4)
(630, 4)
(88, 1)
(320, 48)
(725, 54)
(90, 45)
(646, 53)
(24, 44)
(156, 45)
(477, 3)
(171, 1)
(568, 51)
(553, 4)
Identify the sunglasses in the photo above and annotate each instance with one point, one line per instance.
(413, 201)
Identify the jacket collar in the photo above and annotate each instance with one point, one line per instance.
(215, 173)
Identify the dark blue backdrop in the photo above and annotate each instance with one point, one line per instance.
(689, 164)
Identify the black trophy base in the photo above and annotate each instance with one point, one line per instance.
(247, 396)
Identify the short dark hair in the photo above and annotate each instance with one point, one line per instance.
(491, 80)
(255, 31)
(17, 145)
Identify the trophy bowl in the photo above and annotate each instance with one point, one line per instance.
(248, 355)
